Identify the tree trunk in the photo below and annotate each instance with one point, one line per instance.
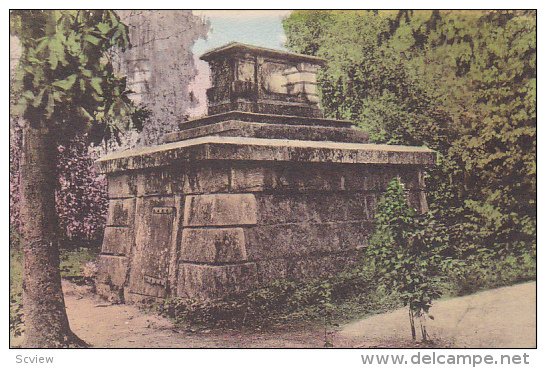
(412, 323)
(45, 319)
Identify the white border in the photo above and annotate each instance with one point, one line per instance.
(240, 358)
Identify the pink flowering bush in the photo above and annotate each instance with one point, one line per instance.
(81, 197)
(15, 141)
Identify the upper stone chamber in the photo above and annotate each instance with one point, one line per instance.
(265, 93)
(260, 80)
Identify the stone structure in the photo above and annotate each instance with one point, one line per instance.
(160, 66)
(263, 188)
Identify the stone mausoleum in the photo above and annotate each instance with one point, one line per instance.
(262, 188)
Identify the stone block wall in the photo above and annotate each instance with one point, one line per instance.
(208, 228)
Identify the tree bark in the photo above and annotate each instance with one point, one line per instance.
(412, 323)
(44, 313)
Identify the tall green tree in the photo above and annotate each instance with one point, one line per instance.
(483, 65)
(67, 86)
(460, 82)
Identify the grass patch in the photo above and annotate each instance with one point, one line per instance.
(488, 272)
(72, 261)
(15, 293)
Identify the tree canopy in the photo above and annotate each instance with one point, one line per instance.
(460, 82)
(65, 73)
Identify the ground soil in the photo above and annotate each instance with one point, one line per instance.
(498, 318)
(504, 317)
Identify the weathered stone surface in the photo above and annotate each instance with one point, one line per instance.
(257, 79)
(311, 207)
(157, 182)
(121, 186)
(282, 208)
(410, 178)
(271, 270)
(246, 197)
(358, 207)
(220, 210)
(112, 294)
(317, 266)
(293, 240)
(258, 149)
(207, 177)
(249, 117)
(113, 270)
(280, 177)
(310, 177)
(120, 212)
(251, 176)
(371, 204)
(213, 281)
(273, 131)
(154, 233)
(354, 234)
(134, 298)
(213, 245)
(308, 267)
(117, 240)
(417, 200)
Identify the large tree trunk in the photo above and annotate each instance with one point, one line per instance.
(45, 319)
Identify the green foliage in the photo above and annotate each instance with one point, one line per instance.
(73, 261)
(487, 271)
(349, 294)
(65, 72)
(460, 82)
(406, 259)
(15, 292)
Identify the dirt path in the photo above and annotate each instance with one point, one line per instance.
(499, 318)
(496, 318)
(115, 326)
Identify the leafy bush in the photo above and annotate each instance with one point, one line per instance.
(81, 198)
(487, 271)
(349, 294)
(74, 261)
(406, 259)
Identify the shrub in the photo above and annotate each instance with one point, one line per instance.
(487, 271)
(406, 258)
(81, 196)
(343, 296)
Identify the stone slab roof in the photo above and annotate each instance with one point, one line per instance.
(258, 149)
(236, 128)
(266, 119)
(237, 47)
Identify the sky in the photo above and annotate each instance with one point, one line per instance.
(255, 27)
(260, 28)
